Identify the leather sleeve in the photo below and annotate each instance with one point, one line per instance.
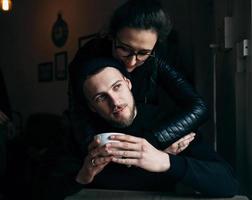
(194, 111)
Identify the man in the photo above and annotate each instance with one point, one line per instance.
(107, 89)
(136, 162)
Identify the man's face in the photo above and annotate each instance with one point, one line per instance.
(109, 94)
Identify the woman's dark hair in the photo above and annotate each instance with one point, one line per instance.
(141, 14)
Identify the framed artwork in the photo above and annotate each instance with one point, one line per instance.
(82, 40)
(60, 62)
(45, 71)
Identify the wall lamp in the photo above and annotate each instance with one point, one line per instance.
(5, 5)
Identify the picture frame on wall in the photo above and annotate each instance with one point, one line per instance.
(45, 72)
(60, 62)
(82, 40)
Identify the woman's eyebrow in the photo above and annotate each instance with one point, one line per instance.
(127, 45)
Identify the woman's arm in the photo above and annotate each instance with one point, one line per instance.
(194, 111)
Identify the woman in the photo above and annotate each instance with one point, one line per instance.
(137, 30)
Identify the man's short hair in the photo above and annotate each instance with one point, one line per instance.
(94, 65)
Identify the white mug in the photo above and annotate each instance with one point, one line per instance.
(104, 137)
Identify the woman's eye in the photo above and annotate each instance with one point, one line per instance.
(143, 53)
(124, 49)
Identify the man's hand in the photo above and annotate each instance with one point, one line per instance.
(94, 162)
(180, 145)
(3, 118)
(138, 152)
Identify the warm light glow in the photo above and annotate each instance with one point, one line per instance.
(6, 5)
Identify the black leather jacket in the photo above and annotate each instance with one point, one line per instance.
(146, 79)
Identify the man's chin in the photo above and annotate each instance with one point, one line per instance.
(123, 119)
(121, 123)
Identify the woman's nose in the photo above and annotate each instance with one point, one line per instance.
(130, 63)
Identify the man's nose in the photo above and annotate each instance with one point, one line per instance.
(114, 99)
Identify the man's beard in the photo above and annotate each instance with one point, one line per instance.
(127, 122)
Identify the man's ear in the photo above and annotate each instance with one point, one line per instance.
(128, 82)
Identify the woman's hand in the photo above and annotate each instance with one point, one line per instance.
(138, 152)
(180, 145)
(94, 162)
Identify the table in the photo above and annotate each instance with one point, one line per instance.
(98, 194)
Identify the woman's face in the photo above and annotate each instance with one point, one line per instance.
(133, 46)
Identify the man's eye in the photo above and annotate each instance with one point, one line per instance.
(100, 98)
(117, 86)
